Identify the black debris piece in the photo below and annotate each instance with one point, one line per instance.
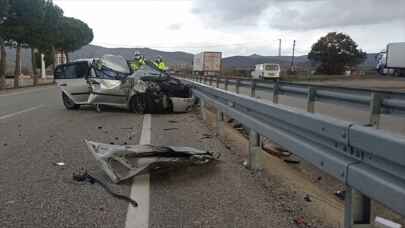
(116, 138)
(99, 127)
(5, 144)
(292, 161)
(85, 177)
(173, 121)
(206, 136)
(112, 143)
(318, 179)
(307, 198)
(341, 194)
(170, 129)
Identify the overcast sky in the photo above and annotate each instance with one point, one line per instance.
(238, 27)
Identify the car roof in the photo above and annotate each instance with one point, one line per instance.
(84, 60)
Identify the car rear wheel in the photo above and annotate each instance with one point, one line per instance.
(69, 104)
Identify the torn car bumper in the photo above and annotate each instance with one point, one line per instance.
(121, 162)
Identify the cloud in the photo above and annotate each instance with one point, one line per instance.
(176, 26)
(299, 14)
(335, 13)
(221, 12)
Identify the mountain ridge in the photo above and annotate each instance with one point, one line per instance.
(176, 57)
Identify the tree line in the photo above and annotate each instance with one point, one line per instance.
(41, 26)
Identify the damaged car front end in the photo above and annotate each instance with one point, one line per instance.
(110, 81)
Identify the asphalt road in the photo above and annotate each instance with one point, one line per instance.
(36, 132)
(360, 115)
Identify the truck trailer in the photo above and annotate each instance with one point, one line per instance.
(207, 63)
(392, 60)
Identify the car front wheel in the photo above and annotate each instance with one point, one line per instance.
(138, 104)
(69, 104)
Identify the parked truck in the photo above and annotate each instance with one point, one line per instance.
(391, 61)
(267, 71)
(207, 63)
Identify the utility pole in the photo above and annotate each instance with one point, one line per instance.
(279, 47)
(293, 58)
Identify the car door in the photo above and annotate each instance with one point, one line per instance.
(108, 91)
(72, 80)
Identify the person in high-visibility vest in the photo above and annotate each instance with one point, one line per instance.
(138, 61)
(159, 63)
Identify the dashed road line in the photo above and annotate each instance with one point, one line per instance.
(138, 217)
(10, 115)
(22, 93)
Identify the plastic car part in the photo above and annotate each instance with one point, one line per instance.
(121, 162)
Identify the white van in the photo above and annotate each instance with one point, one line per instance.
(267, 71)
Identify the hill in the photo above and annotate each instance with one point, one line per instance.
(175, 58)
(172, 58)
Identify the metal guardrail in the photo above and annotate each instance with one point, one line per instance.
(369, 161)
(377, 101)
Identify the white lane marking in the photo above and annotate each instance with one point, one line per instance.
(22, 93)
(20, 112)
(138, 217)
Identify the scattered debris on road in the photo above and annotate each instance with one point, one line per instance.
(307, 198)
(300, 221)
(206, 136)
(341, 194)
(172, 121)
(121, 162)
(59, 164)
(83, 176)
(170, 129)
(291, 161)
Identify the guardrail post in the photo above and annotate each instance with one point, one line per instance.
(253, 88)
(255, 159)
(220, 125)
(202, 110)
(226, 83)
(210, 80)
(311, 100)
(237, 85)
(218, 79)
(276, 91)
(357, 210)
(375, 109)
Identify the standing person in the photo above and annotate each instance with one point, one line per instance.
(138, 61)
(159, 63)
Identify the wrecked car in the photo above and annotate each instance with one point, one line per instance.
(121, 162)
(110, 81)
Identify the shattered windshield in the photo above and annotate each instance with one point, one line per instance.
(111, 67)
